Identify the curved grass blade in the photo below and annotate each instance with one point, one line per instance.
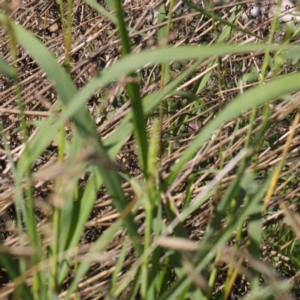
(254, 97)
(133, 62)
(62, 82)
(84, 124)
(127, 65)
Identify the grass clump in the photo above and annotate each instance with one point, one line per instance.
(147, 152)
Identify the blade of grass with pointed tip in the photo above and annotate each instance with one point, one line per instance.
(133, 62)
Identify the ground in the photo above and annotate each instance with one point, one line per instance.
(203, 94)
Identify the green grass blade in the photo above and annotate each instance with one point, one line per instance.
(7, 70)
(208, 251)
(67, 90)
(114, 142)
(99, 246)
(79, 216)
(105, 13)
(134, 94)
(254, 97)
(127, 65)
(102, 11)
(118, 268)
(12, 269)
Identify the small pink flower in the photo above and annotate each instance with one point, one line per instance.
(193, 127)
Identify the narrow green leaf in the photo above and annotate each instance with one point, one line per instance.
(110, 4)
(12, 269)
(210, 249)
(98, 246)
(84, 124)
(7, 70)
(129, 64)
(254, 97)
(102, 11)
(134, 94)
(119, 266)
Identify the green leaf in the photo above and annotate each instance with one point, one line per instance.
(12, 269)
(84, 124)
(97, 247)
(254, 97)
(134, 95)
(209, 248)
(7, 70)
(111, 5)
